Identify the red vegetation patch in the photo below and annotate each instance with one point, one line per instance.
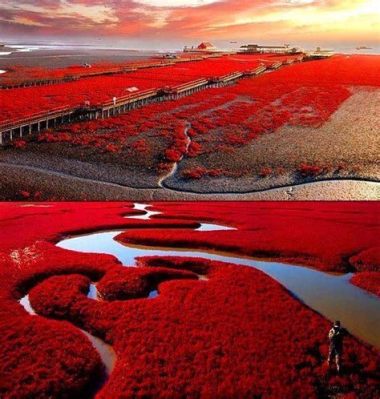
(306, 170)
(173, 155)
(20, 144)
(141, 146)
(367, 260)
(194, 149)
(45, 359)
(323, 235)
(198, 172)
(237, 334)
(137, 283)
(195, 173)
(265, 172)
(369, 281)
(25, 195)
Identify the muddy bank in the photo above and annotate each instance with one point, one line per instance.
(344, 147)
(52, 185)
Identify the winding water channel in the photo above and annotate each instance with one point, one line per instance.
(172, 171)
(331, 295)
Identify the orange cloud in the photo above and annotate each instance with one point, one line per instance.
(191, 20)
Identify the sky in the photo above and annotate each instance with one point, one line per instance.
(153, 24)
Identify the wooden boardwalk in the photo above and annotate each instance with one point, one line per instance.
(19, 128)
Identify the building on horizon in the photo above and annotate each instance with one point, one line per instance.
(257, 49)
(206, 47)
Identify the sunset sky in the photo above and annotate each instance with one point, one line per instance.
(151, 23)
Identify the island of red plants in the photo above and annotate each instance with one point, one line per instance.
(234, 333)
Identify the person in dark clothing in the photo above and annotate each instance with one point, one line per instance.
(336, 335)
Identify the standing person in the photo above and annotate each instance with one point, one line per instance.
(336, 335)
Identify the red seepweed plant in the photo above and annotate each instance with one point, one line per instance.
(235, 333)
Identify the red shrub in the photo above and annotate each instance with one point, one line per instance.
(195, 173)
(199, 172)
(265, 171)
(141, 145)
(194, 149)
(309, 170)
(112, 148)
(367, 260)
(25, 194)
(215, 172)
(20, 144)
(369, 281)
(173, 155)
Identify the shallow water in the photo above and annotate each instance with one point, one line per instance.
(153, 294)
(149, 213)
(213, 227)
(105, 351)
(331, 295)
(142, 207)
(92, 292)
(25, 303)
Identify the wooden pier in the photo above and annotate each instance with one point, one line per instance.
(17, 129)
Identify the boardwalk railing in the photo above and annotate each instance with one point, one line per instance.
(18, 128)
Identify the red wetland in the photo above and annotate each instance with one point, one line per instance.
(284, 121)
(187, 299)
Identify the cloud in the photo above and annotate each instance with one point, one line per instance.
(176, 3)
(190, 20)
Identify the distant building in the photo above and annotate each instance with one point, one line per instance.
(257, 49)
(203, 47)
(207, 46)
(319, 53)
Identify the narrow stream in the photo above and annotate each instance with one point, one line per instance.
(147, 215)
(106, 352)
(173, 169)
